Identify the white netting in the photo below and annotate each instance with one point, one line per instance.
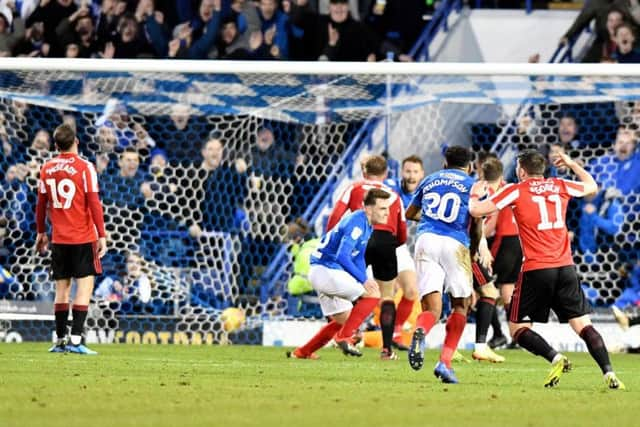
(199, 175)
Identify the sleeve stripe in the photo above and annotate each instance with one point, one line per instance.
(93, 177)
(503, 200)
(346, 196)
(84, 180)
(574, 188)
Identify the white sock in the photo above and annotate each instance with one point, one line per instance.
(76, 339)
(480, 346)
(557, 358)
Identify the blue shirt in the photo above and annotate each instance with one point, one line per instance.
(443, 199)
(397, 186)
(609, 171)
(343, 247)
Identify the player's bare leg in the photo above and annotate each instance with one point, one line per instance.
(534, 343)
(80, 309)
(350, 322)
(61, 312)
(408, 281)
(454, 329)
(431, 311)
(583, 327)
(387, 318)
(485, 310)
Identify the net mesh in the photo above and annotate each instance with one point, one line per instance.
(200, 174)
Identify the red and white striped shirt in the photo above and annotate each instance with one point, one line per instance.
(540, 208)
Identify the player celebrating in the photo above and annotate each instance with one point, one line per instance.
(442, 254)
(387, 253)
(338, 274)
(548, 279)
(412, 174)
(68, 191)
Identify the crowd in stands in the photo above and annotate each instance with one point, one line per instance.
(335, 30)
(616, 26)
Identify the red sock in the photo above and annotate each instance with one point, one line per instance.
(360, 311)
(426, 320)
(403, 311)
(320, 339)
(455, 327)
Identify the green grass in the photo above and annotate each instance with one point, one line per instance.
(255, 386)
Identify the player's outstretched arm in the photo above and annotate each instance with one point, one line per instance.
(590, 185)
(479, 208)
(413, 213)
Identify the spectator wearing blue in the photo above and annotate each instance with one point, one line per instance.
(412, 173)
(7, 280)
(274, 25)
(568, 132)
(626, 51)
(621, 169)
(336, 37)
(16, 205)
(601, 220)
(193, 39)
(124, 187)
(555, 149)
(222, 194)
(630, 297)
(269, 158)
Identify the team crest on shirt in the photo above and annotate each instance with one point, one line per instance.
(356, 232)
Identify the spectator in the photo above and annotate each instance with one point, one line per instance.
(630, 297)
(270, 159)
(106, 141)
(600, 221)
(124, 188)
(568, 133)
(336, 37)
(621, 169)
(33, 44)
(77, 34)
(223, 191)
(110, 13)
(50, 13)
(176, 133)
(626, 51)
(615, 18)
(129, 41)
(16, 200)
(135, 286)
(555, 149)
(9, 38)
(274, 25)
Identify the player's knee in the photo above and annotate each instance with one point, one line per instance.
(409, 289)
(373, 293)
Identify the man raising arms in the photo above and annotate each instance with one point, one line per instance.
(548, 279)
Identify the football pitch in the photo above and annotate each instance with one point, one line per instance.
(231, 386)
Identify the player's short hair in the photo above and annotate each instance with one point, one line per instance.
(375, 166)
(532, 162)
(492, 169)
(482, 156)
(375, 194)
(413, 159)
(457, 156)
(64, 136)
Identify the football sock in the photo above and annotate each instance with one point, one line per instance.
(485, 309)
(496, 325)
(455, 326)
(596, 347)
(426, 320)
(387, 322)
(360, 311)
(61, 312)
(534, 343)
(77, 324)
(403, 311)
(320, 339)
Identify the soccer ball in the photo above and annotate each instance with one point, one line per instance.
(232, 318)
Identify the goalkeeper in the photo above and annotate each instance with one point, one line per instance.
(303, 243)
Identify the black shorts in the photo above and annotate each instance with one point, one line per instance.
(481, 275)
(538, 291)
(508, 259)
(74, 261)
(381, 255)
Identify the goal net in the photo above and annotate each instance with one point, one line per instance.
(201, 171)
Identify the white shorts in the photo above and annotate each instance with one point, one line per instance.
(336, 289)
(443, 264)
(405, 262)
